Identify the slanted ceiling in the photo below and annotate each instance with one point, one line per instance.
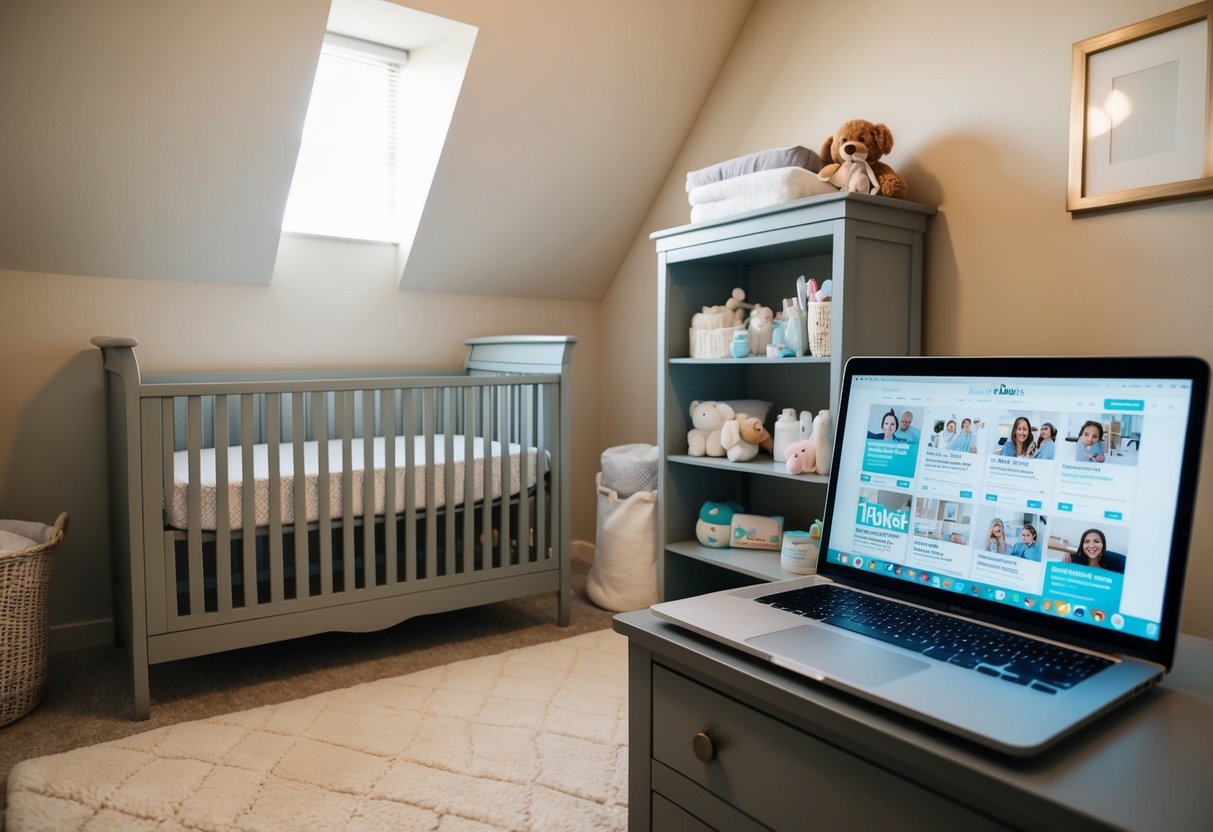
(157, 140)
(154, 140)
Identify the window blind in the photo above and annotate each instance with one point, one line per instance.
(345, 176)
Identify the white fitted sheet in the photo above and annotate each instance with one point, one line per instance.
(178, 512)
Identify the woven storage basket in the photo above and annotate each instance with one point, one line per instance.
(819, 327)
(24, 579)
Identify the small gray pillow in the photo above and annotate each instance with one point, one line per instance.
(750, 407)
(777, 157)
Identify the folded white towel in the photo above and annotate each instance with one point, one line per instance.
(728, 208)
(736, 205)
(775, 185)
(18, 535)
(753, 191)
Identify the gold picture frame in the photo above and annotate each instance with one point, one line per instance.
(1141, 112)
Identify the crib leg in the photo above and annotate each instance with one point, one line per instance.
(139, 684)
(564, 599)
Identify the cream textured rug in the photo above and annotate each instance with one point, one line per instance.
(530, 739)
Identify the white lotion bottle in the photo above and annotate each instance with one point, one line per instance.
(787, 431)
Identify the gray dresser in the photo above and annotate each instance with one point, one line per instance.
(722, 741)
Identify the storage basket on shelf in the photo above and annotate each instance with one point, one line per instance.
(24, 578)
(819, 314)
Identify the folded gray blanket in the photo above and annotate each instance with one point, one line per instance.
(776, 157)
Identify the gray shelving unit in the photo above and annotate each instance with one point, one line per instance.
(872, 249)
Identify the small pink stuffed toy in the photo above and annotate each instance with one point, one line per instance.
(812, 455)
(802, 457)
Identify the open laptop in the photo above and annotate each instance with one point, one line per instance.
(1002, 585)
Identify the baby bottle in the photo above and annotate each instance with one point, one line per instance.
(795, 334)
(777, 331)
(806, 424)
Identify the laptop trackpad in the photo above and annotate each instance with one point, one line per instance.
(821, 652)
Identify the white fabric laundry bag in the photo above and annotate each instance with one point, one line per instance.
(628, 469)
(624, 574)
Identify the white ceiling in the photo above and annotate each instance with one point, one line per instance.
(152, 140)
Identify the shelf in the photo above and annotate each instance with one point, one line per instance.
(761, 464)
(871, 249)
(764, 361)
(757, 563)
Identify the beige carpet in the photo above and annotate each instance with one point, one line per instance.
(530, 739)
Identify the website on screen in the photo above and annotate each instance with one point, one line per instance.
(1053, 495)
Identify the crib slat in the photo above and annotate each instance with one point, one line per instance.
(487, 556)
(193, 433)
(346, 427)
(298, 439)
(273, 441)
(223, 521)
(320, 429)
(248, 507)
(387, 417)
(468, 562)
(168, 477)
(409, 431)
(526, 398)
(431, 498)
(448, 482)
(368, 488)
(503, 440)
(541, 470)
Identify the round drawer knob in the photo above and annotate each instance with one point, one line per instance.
(704, 748)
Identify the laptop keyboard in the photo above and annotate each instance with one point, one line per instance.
(1014, 658)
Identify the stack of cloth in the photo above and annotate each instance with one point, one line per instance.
(754, 181)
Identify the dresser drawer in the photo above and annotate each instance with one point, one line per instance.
(781, 776)
(667, 817)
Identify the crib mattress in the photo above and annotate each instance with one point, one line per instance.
(178, 512)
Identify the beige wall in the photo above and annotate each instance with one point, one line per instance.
(977, 96)
(330, 305)
(112, 168)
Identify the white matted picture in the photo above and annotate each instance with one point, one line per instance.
(1141, 112)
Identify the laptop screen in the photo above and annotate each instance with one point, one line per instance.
(1041, 490)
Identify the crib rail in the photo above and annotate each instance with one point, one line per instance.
(378, 541)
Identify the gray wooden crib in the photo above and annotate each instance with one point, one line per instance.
(422, 491)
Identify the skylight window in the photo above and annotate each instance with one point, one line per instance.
(346, 180)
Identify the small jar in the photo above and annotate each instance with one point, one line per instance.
(740, 347)
(798, 553)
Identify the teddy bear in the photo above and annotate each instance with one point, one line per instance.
(737, 305)
(707, 418)
(715, 524)
(852, 155)
(730, 313)
(743, 437)
(761, 318)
